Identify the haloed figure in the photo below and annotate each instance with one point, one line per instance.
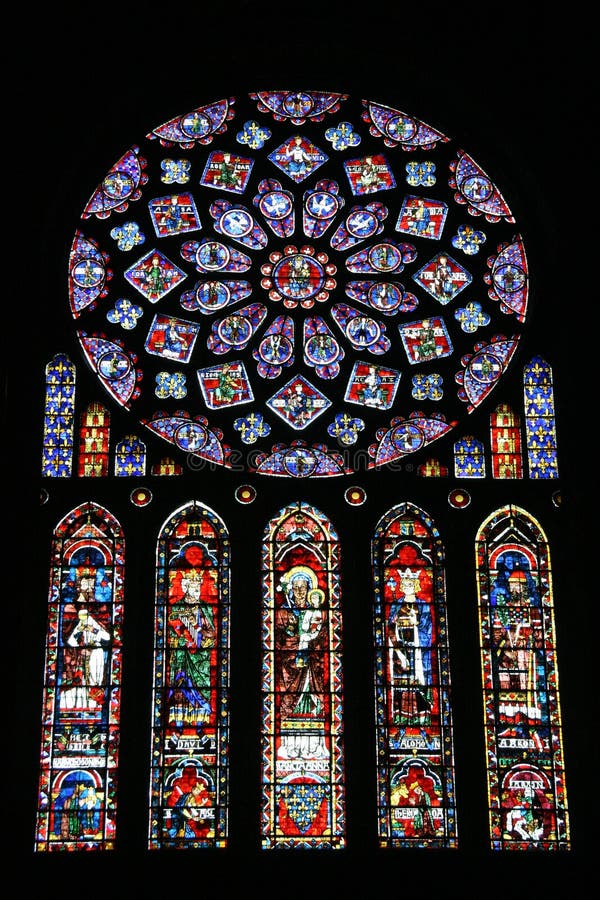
(300, 634)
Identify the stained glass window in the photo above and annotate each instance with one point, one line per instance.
(432, 468)
(190, 731)
(301, 285)
(540, 428)
(94, 434)
(505, 428)
(302, 743)
(82, 684)
(524, 752)
(469, 458)
(299, 271)
(57, 458)
(141, 496)
(415, 756)
(166, 466)
(130, 457)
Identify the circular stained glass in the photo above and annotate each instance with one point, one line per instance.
(459, 498)
(323, 277)
(141, 496)
(355, 496)
(245, 493)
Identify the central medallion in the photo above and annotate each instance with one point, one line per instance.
(298, 276)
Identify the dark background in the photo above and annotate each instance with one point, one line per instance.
(510, 88)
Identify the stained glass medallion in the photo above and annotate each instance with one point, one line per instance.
(312, 249)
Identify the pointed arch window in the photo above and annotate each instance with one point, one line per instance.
(59, 412)
(505, 428)
(526, 779)
(540, 427)
(415, 772)
(130, 457)
(190, 731)
(82, 700)
(94, 436)
(302, 758)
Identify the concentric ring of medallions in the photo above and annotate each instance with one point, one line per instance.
(310, 275)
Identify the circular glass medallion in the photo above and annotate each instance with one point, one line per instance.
(401, 128)
(322, 205)
(355, 496)
(321, 349)
(407, 438)
(485, 368)
(140, 496)
(191, 437)
(114, 365)
(363, 331)
(245, 493)
(477, 187)
(275, 205)
(276, 349)
(87, 273)
(212, 295)
(384, 257)
(234, 330)
(196, 124)
(118, 185)
(212, 256)
(385, 297)
(510, 278)
(362, 223)
(300, 462)
(459, 498)
(298, 105)
(236, 223)
(298, 276)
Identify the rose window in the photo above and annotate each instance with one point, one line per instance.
(299, 281)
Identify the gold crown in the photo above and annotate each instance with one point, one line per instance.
(192, 575)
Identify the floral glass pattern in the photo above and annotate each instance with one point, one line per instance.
(59, 414)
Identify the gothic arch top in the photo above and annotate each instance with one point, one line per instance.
(281, 280)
